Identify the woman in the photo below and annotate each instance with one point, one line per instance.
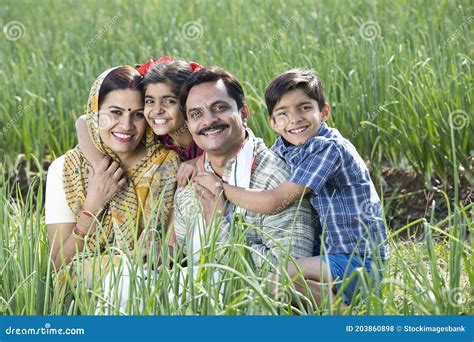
(135, 171)
(162, 81)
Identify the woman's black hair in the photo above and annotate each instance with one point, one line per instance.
(121, 78)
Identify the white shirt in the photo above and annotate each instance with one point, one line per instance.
(56, 207)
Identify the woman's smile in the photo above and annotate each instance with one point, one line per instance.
(123, 137)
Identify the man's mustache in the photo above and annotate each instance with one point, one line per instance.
(210, 128)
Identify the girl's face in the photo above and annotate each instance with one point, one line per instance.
(162, 109)
(121, 121)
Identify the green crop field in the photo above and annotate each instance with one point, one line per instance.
(398, 77)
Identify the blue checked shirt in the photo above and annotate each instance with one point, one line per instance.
(342, 193)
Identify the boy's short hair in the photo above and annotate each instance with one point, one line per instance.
(213, 74)
(304, 79)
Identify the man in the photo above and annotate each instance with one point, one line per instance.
(213, 103)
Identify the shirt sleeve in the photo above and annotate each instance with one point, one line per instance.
(56, 207)
(317, 166)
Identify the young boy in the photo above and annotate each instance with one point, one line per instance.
(327, 166)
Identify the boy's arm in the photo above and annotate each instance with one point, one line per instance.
(93, 156)
(256, 200)
(265, 201)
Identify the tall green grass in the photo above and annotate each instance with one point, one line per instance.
(391, 95)
(429, 275)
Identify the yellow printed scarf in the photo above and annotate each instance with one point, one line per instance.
(155, 172)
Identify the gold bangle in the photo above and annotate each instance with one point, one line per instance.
(79, 232)
(77, 236)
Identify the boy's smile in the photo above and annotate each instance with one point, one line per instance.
(297, 117)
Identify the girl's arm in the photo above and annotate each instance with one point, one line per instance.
(256, 200)
(93, 156)
(187, 171)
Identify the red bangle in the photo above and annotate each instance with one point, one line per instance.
(87, 213)
(79, 232)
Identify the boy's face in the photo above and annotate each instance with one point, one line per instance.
(297, 118)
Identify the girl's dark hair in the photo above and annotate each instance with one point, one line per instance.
(121, 78)
(175, 74)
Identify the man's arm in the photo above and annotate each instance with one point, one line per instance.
(93, 156)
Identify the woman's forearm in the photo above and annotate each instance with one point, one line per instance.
(70, 244)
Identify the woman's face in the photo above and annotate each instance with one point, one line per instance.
(121, 121)
(162, 109)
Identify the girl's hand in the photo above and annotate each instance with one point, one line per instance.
(209, 181)
(104, 183)
(186, 173)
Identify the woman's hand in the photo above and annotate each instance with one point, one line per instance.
(187, 171)
(104, 183)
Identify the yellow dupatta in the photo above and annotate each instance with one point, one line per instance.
(153, 174)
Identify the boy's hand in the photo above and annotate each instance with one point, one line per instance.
(209, 181)
(187, 171)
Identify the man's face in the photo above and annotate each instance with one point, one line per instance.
(216, 124)
(297, 117)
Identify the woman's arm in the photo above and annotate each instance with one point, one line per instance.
(256, 200)
(93, 156)
(103, 184)
(64, 244)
